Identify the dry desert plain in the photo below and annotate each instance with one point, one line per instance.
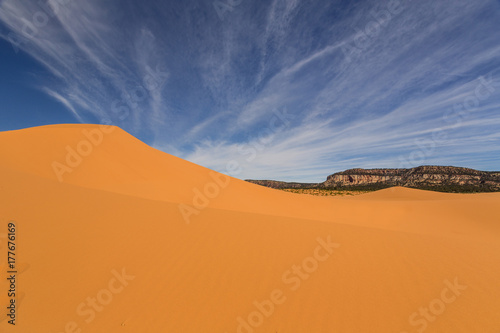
(112, 235)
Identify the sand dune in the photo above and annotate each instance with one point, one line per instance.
(115, 236)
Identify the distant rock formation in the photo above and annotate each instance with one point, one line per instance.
(439, 178)
(281, 185)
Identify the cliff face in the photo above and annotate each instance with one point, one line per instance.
(441, 178)
(424, 175)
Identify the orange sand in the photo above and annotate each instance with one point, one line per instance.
(119, 246)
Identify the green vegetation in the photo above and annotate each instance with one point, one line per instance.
(455, 188)
(323, 192)
(360, 189)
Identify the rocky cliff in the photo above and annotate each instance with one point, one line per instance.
(440, 178)
(281, 185)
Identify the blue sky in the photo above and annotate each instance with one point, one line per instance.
(278, 89)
